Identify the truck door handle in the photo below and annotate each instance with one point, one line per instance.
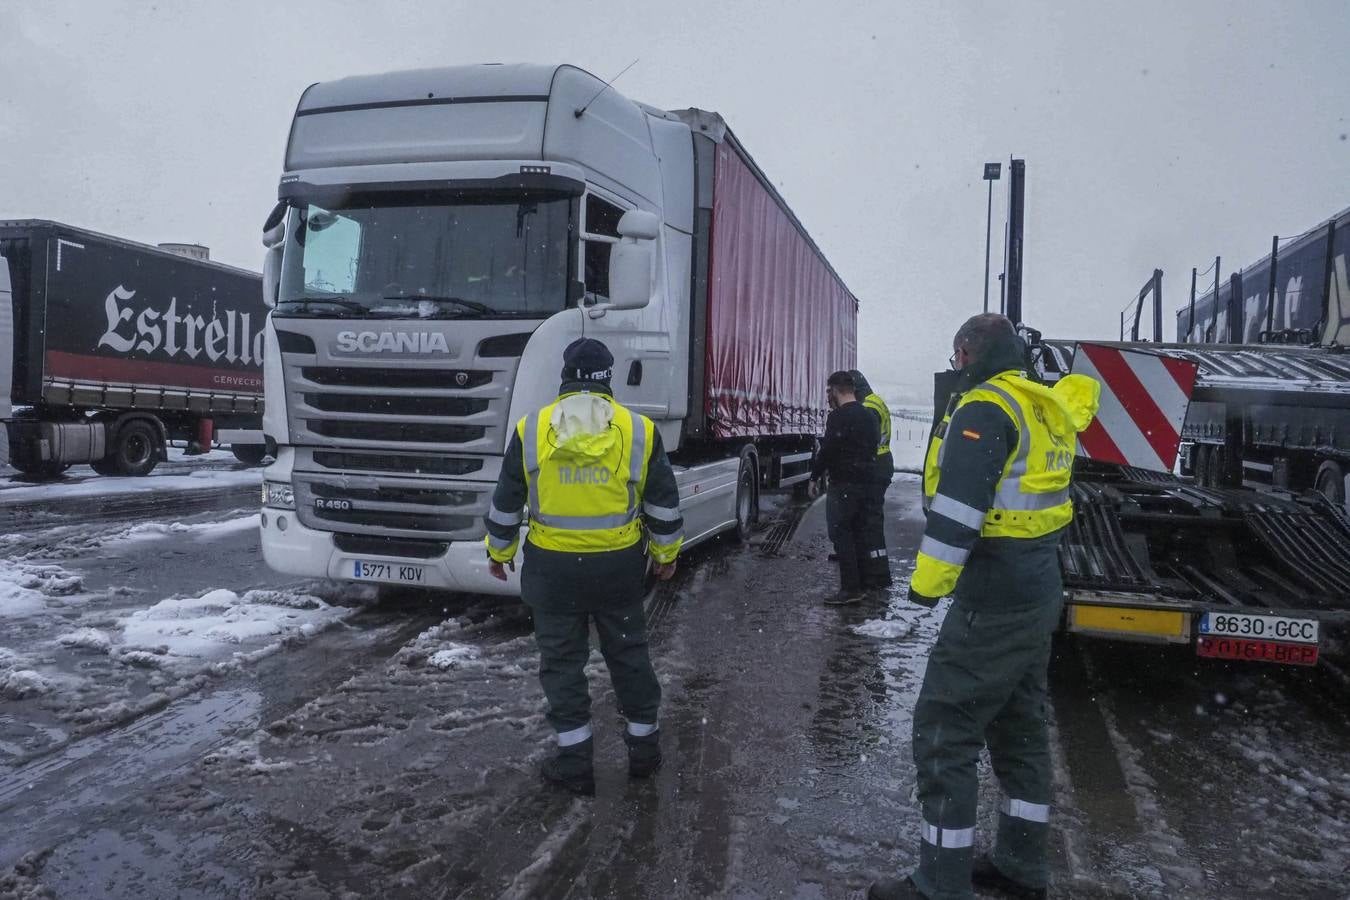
(635, 373)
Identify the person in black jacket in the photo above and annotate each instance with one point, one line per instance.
(848, 454)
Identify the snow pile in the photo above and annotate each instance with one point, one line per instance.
(121, 487)
(20, 684)
(200, 531)
(455, 656)
(888, 629)
(219, 622)
(86, 638)
(24, 589)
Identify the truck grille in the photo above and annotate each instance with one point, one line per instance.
(406, 464)
(393, 508)
(395, 450)
(383, 546)
(366, 376)
(391, 406)
(400, 432)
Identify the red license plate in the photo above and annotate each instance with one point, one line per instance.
(1257, 651)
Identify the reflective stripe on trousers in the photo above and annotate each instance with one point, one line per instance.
(949, 838)
(575, 736)
(1023, 809)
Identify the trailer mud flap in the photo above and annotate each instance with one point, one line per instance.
(1163, 625)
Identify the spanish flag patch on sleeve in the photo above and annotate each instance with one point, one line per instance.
(973, 435)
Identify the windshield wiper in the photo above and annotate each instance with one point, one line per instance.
(481, 308)
(305, 303)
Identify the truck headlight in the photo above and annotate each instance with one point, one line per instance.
(278, 495)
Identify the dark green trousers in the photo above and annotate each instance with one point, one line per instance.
(568, 593)
(986, 686)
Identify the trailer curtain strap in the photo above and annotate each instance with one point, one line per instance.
(575, 736)
(1022, 809)
(956, 556)
(948, 838)
(957, 511)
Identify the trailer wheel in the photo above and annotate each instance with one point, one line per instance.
(136, 450)
(1330, 482)
(249, 454)
(747, 496)
(1204, 462)
(1214, 467)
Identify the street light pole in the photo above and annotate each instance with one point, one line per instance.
(991, 174)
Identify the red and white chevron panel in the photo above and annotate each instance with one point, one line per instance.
(1144, 401)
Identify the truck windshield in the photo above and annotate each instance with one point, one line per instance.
(427, 257)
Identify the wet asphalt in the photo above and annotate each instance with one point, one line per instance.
(396, 754)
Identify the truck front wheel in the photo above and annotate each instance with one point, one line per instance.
(249, 454)
(136, 450)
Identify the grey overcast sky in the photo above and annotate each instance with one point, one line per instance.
(1155, 133)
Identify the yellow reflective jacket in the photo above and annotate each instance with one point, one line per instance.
(980, 484)
(877, 405)
(582, 471)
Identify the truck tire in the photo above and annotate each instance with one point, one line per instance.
(1214, 467)
(1330, 482)
(1204, 461)
(747, 496)
(135, 452)
(42, 471)
(249, 454)
(105, 466)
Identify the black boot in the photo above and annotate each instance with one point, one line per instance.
(644, 754)
(893, 889)
(571, 768)
(987, 877)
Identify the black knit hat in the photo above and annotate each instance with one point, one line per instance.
(587, 359)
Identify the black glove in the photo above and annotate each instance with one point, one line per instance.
(921, 600)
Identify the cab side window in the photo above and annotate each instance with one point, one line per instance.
(599, 234)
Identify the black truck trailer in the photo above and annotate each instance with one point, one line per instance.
(1248, 572)
(112, 348)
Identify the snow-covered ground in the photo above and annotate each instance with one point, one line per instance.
(176, 720)
(18, 493)
(82, 645)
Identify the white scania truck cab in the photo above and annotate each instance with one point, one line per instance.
(441, 235)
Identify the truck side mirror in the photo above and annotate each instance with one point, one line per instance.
(274, 236)
(630, 260)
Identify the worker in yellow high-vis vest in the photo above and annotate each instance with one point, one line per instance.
(997, 493)
(601, 498)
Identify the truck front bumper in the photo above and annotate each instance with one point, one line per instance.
(298, 550)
